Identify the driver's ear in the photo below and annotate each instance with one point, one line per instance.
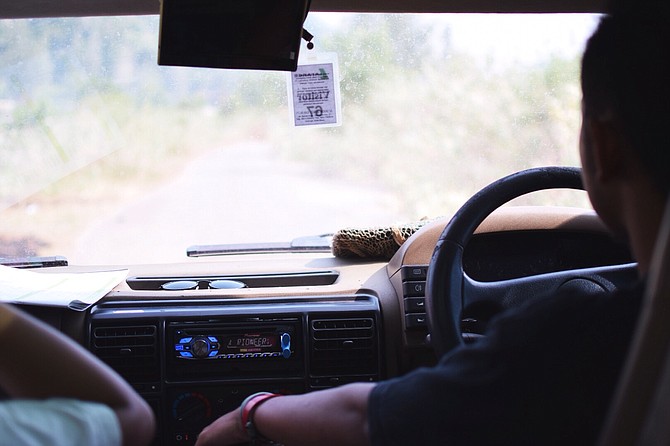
(608, 152)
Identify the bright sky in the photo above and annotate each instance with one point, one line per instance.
(519, 38)
(506, 39)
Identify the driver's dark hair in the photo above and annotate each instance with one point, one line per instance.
(626, 79)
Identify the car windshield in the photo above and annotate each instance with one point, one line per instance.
(108, 158)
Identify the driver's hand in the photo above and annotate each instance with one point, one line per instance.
(226, 430)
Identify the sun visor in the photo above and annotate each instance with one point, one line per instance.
(237, 34)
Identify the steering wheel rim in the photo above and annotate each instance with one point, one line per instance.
(446, 279)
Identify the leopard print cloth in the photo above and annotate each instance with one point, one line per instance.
(372, 243)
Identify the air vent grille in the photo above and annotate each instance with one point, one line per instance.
(130, 350)
(344, 347)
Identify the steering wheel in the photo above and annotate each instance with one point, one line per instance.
(449, 290)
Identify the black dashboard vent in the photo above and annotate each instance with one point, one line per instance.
(344, 347)
(131, 350)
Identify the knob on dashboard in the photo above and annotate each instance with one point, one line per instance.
(191, 410)
(200, 347)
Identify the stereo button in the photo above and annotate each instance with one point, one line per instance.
(285, 345)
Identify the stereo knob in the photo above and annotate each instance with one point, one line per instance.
(200, 347)
(191, 410)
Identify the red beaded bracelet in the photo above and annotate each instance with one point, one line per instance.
(247, 409)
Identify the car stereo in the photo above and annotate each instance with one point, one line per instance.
(222, 349)
(244, 343)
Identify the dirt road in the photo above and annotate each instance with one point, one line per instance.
(232, 195)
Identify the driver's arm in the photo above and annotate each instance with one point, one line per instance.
(330, 417)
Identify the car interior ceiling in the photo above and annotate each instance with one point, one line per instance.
(74, 8)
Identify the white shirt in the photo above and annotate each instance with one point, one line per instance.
(56, 422)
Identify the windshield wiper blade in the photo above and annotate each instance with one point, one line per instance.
(34, 262)
(317, 243)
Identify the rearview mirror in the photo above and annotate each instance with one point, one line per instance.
(240, 34)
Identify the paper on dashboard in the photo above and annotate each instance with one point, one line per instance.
(76, 291)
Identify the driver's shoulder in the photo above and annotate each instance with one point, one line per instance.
(572, 312)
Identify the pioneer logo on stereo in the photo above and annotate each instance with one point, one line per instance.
(251, 342)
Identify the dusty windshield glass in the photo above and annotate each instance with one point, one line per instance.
(106, 157)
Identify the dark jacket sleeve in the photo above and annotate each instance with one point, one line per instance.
(544, 374)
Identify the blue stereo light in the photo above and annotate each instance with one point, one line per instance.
(185, 340)
(179, 347)
(285, 345)
(213, 353)
(186, 354)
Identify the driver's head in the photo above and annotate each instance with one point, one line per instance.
(626, 103)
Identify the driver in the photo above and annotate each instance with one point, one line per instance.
(546, 372)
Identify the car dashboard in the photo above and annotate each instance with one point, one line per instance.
(298, 322)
